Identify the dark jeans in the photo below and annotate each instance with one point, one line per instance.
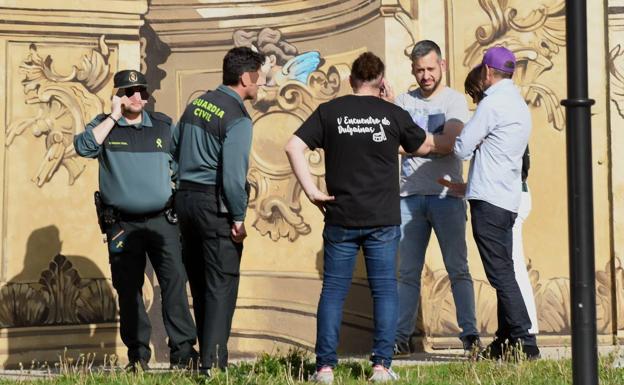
(492, 231)
(341, 246)
(129, 242)
(212, 262)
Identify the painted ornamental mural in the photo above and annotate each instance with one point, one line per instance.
(56, 74)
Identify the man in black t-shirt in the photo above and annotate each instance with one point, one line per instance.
(360, 135)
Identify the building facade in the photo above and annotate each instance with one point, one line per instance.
(56, 74)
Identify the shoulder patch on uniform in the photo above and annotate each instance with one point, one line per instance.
(160, 116)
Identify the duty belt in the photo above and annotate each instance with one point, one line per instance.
(127, 217)
(192, 186)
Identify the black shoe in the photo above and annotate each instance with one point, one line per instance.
(495, 350)
(138, 365)
(530, 352)
(188, 362)
(472, 345)
(402, 349)
(518, 351)
(510, 351)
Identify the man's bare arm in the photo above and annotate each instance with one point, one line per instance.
(295, 150)
(426, 147)
(440, 144)
(444, 143)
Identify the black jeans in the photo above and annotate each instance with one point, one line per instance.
(492, 231)
(212, 261)
(128, 244)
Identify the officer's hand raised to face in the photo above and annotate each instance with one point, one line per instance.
(116, 107)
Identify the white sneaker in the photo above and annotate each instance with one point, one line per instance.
(324, 375)
(383, 374)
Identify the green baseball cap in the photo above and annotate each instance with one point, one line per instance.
(129, 78)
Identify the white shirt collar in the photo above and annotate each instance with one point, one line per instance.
(503, 83)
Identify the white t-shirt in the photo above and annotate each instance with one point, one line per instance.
(419, 175)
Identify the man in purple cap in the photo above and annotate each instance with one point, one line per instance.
(494, 140)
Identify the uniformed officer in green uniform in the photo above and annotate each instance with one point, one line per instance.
(213, 140)
(133, 148)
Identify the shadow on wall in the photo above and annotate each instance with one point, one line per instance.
(153, 53)
(60, 299)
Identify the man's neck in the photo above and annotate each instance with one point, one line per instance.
(366, 91)
(133, 117)
(239, 90)
(495, 81)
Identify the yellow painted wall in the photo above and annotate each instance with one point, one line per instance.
(57, 61)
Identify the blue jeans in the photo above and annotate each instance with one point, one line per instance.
(341, 246)
(447, 217)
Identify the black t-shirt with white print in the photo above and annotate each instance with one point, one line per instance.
(360, 136)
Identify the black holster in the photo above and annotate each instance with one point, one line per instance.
(106, 214)
(170, 213)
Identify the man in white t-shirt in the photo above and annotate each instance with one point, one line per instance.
(427, 205)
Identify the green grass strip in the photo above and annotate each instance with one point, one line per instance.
(295, 367)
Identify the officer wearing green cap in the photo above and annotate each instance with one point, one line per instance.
(133, 146)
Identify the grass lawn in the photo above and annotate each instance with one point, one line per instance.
(295, 367)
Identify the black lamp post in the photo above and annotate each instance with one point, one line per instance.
(580, 199)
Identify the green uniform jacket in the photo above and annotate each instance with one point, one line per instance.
(134, 162)
(212, 140)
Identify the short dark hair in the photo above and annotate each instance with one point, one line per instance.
(239, 60)
(367, 67)
(423, 48)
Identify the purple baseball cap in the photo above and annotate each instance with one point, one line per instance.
(500, 58)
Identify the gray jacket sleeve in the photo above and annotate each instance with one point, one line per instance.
(85, 143)
(236, 147)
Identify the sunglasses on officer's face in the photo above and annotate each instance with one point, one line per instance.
(131, 90)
